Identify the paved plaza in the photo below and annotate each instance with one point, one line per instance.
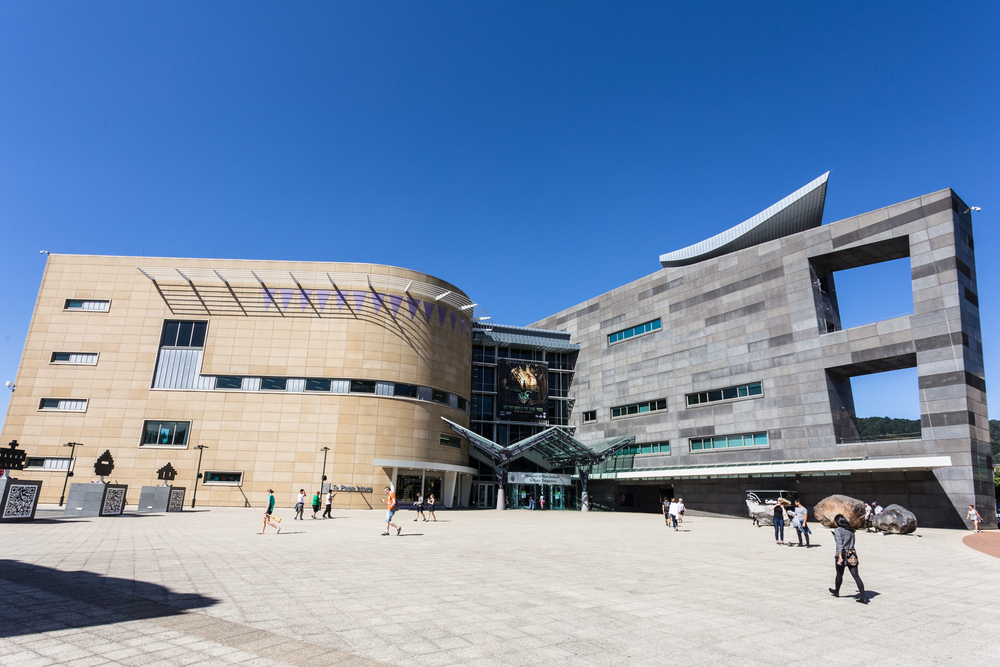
(481, 588)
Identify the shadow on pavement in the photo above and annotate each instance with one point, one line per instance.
(121, 599)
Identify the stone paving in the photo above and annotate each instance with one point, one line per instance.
(481, 588)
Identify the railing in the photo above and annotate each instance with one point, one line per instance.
(880, 438)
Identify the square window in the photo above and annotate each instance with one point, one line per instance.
(228, 382)
(273, 384)
(439, 396)
(729, 392)
(755, 389)
(362, 386)
(590, 416)
(696, 445)
(742, 391)
(405, 390)
(661, 404)
(644, 407)
(313, 384)
(715, 395)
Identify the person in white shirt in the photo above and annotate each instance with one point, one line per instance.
(674, 511)
(300, 505)
(974, 517)
(329, 504)
(680, 511)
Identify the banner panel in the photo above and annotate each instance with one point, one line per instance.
(522, 390)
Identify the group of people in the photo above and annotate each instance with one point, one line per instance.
(673, 512)
(872, 510)
(799, 518)
(300, 505)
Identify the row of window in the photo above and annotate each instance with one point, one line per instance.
(64, 404)
(51, 463)
(648, 448)
(325, 385)
(740, 391)
(87, 304)
(637, 330)
(84, 358)
(638, 408)
(183, 334)
(729, 441)
(484, 354)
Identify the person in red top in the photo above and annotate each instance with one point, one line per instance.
(390, 504)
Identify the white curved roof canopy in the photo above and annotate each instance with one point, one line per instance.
(799, 211)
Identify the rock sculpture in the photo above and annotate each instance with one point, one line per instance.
(896, 520)
(828, 508)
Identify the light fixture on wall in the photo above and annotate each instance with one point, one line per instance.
(972, 208)
(11, 385)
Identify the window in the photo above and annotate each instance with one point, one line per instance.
(637, 330)
(463, 404)
(167, 434)
(451, 440)
(55, 463)
(483, 378)
(649, 448)
(273, 384)
(729, 441)
(638, 408)
(65, 404)
(482, 407)
(223, 478)
(405, 390)
(739, 391)
(362, 386)
(317, 385)
(439, 396)
(87, 304)
(183, 334)
(590, 416)
(484, 355)
(84, 358)
(228, 382)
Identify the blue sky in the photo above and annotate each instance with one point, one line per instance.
(445, 137)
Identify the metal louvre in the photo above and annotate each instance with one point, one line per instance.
(178, 368)
(244, 292)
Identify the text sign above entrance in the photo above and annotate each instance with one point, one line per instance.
(539, 478)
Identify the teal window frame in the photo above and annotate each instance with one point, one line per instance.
(645, 448)
(620, 411)
(738, 440)
(637, 330)
(749, 390)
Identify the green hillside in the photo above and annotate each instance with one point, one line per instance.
(885, 428)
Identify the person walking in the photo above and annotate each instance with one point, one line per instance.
(430, 507)
(847, 556)
(869, 512)
(778, 520)
(531, 501)
(666, 512)
(541, 500)
(799, 518)
(675, 512)
(315, 503)
(390, 502)
(974, 517)
(268, 512)
(329, 504)
(300, 505)
(419, 507)
(680, 509)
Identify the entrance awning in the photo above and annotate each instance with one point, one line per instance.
(424, 465)
(799, 467)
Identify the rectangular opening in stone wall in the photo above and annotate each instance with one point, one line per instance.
(877, 400)
(862, 285)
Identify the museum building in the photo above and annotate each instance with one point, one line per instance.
(726, 371)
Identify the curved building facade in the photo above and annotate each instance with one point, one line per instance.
(246, 371)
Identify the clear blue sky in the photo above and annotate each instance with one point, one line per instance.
(447, 137)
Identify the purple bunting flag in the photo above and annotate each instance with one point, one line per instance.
(413, 304)
(395, 301)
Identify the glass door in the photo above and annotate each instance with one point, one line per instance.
(432, 485)
(558, 498)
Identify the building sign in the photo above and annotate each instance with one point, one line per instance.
(522, 390)
(539, 478)
(343, 488)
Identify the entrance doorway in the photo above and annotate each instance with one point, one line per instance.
(484, 495)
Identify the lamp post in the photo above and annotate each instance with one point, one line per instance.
(323, 478)
(69, 469)
(201, 450)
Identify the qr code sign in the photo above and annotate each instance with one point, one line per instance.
(176, 503)
(20, 501)
(114, 502)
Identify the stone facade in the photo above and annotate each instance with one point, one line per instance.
(769, 314)
(273, 437)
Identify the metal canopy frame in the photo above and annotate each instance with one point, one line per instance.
(553, 444)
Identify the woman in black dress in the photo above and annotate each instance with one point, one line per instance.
(430, 507)
(847, 556)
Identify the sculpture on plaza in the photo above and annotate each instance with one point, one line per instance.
(895, 520)
(827, 509)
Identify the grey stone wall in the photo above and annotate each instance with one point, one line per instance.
(765, 314)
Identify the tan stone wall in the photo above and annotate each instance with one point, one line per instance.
(273, 437)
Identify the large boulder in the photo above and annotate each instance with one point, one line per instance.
(896, 520)
(828, 508)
